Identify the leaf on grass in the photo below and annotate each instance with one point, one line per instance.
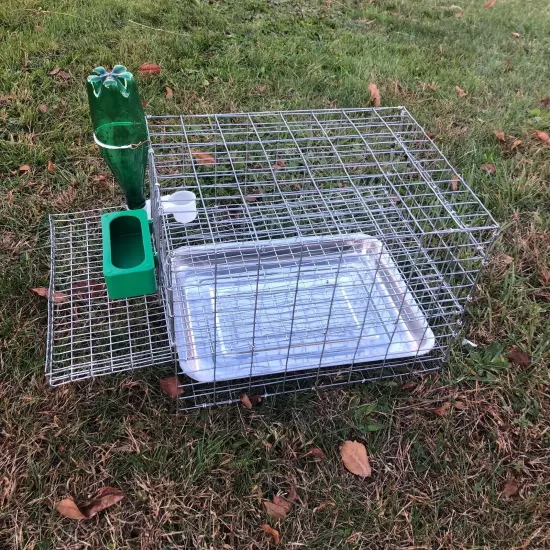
(54, 71)
(149, 68)
(431, 135)
(489, 167)
(43, 108)
(279, 164)
(460, 405)
(245, 401)
(58, 297)
(24, 169)
(442, 411)
(260, 89)
(460, 92)
(511, 488)
(459, 14)
(280, 507)
(543, 136)
(144, 103)
(323, 504)
(355, 459)
(407, 385)
(203, 158)
(516, 35)
(545, 102)
(171, 386)
(68, 509)
(489, 4)
(169, 93)
(316, 453)
(374, 94)
(516, 143)
(64, 75)
(104, 498)
(500, 135)
(519, 358)
(454, 183)
(51, 167)
(270, 531)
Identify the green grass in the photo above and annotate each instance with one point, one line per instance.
(196, 480)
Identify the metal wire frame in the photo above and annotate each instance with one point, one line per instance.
(286, 203)
(90, 335)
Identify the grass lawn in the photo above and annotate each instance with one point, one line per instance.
(197, 480)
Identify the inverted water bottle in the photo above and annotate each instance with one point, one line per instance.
(119, 129)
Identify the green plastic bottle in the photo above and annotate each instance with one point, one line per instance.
(119, 129)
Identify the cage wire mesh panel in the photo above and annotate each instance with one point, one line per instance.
(89, 334)
(329, 246)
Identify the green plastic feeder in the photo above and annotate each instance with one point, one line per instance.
(128, 258)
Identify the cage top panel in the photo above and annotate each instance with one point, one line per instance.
(287, 174)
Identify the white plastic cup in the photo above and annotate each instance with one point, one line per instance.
(181, 204)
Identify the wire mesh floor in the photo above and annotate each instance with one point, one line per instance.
(90, 335)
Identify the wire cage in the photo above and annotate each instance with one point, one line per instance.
(329, 246)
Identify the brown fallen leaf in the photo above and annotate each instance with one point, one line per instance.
(543, 136)
(144, 103)
(460, 92)
(171, 386)
(316, 453)
(442, 411)
(64, 75)
(203, 158)
(355, 459)
(431, 135)
(516, 143)
(545, 102)
(454, 183)
(516, 35)
(459, 14)
(68, 509)
(407, 385)
(104, 498)
(51, 167)
(270, 531)
(245, 402)
(374, 94)
(460, 405)
(24, 169)
(43, 108)
(323, 504)
(148, 68)
(260, 89)
(518, 357)
(510, 489)
(58, 297)
(500, 135)
(489, 4)
(169, 93)
(280, 507)
(489, 167)
(280, 164)
(54, 71)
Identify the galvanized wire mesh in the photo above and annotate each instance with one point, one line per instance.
(90, 335)
(329, 246)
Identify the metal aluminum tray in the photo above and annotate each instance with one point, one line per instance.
(268, 307)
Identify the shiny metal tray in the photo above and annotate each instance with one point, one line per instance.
(268, 307)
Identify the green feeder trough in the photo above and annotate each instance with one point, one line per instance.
(128, 258)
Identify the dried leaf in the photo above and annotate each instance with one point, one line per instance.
(519, 358)
(148, 68)
(454, 183)
(43, 108)
(54, 71)
(171, 386)
(245, 401)
(460, 405)
(58, 297)
(104, 498)
(169, 93)
(489, 4)
(374, 94)
(460, 92)
(67, 508)
(516, 35)
(280, 164)
(545, 102)
(323, 504)
(64, 75)
(442, 411)
(511, 488)
(270, 531)
(51, 167)
(516, 143)
(543, 136)
(407, 385)
(144, 103)
(256, 399)
(275, 510)
(500, 135)
(316, 453)
(459, 14)
(260, 89)
(24, 169)
(203, 158)
(355, 459)
(489, 167)
(431, 135)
